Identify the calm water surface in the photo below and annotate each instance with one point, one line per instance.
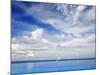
(52, 66)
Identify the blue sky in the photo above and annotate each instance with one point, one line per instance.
(52, 25)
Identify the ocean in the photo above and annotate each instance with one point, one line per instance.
(27, 67)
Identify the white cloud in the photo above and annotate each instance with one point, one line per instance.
(68, 28)
(79, 41)
(71, 12)
(45, 40)
(15, 46)
(37, 34)
(77, 13)
(90, 15)
(45, 49)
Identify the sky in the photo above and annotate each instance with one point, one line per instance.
(53, 30)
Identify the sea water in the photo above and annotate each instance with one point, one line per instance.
(52, 66)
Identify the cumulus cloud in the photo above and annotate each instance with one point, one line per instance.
(37, 33)
(34, 48)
